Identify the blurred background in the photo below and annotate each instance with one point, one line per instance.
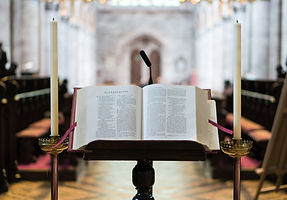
(190, 42)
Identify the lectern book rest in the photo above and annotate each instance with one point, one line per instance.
(154, 113)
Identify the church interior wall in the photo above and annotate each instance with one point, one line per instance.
(196, 41)
(30, 36)
(99, 44)
(274, 38)
(260, 39)
(214, 40)
(172, 27)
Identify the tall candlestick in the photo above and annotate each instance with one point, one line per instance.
(237, 86)
(54, 79)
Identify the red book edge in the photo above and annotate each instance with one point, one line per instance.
(72, 121)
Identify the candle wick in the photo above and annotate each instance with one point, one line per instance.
(53, 19)
(236, 21)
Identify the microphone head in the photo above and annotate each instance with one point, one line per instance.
(145, 58)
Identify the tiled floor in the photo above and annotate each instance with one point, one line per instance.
(104, 180)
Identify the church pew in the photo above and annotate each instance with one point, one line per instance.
(28, 100)
(10, 129)
(2, 124)
(24, 116)
(257, 132)
(32, 102)
(3, 101)
(260, 99)
(28, 137)
(259, 102)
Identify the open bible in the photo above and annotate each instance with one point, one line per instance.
(155, 112)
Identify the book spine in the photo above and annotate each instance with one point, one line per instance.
(72, 120)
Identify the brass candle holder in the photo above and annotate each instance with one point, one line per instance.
(236, 148)
(48, 145)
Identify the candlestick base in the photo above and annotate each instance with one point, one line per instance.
(47, 144)
(236, 148)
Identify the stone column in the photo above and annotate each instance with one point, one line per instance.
(284, 35)
(227, 49)
(30, 36)
(5, 26)
(63, 48)
(259, 63)
(73, 56)
(16, 32)
(247, 54)
(275, 37)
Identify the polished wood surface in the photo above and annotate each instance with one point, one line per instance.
(145, 150)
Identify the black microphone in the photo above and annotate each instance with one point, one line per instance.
(148, 63)
(145, 58)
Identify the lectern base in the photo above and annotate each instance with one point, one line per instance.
(143, 179)
(145, 152)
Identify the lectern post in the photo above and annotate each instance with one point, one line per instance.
(144, 152)
(143, 179)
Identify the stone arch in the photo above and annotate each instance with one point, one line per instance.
(135, 69)
(156, 67)
(150, 41)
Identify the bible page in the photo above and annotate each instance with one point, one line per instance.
(107, 112)
(169, 112)
(208, 134)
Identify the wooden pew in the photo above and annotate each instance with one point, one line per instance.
(24, 119)
(32, 101)
(31, 120)
(259, 103)
(3, 177)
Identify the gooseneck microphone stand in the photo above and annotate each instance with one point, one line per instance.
(143, 175)
(148, 64)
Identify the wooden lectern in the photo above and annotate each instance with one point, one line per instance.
(144, 152)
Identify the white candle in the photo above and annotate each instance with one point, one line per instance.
(54, 79)
(237, 86)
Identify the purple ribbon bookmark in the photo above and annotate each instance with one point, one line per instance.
(66, 134)
(220, 127)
